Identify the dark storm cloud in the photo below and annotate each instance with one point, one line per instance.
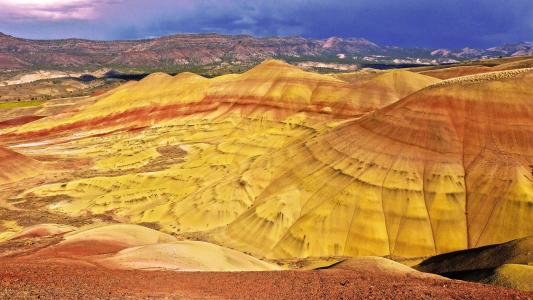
(427, 23)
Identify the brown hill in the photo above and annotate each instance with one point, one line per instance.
(187, 51)
(181, 49)
(57, 261)
(15, 166)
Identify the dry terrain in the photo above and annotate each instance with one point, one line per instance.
(273, 183)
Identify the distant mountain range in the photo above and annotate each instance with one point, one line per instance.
(214, 50)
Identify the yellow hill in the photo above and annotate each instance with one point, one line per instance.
(272, 87)
(391, 86)
(254, 162)
(125, 234)
(444, 169)
(523, 63)
(513, 276)
(509, 264)
(360, 75)
(482, 258)
(103, 240)
(175, 150)
(458, 71)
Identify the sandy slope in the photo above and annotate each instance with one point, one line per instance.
(15, 166)
(281, 163)
(185, 256)
(273, 87)
(444, 169)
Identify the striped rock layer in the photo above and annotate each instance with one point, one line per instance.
(446, 168)
(284, 163)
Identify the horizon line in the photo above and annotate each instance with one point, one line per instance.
(246, 35)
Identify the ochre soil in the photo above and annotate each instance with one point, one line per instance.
(20, 279)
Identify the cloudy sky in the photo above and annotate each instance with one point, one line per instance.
(422, 23)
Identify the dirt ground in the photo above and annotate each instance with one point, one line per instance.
(21, 279)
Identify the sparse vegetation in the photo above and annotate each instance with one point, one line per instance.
(14, 104)
(47, 89)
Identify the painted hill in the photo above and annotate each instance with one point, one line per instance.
(523, 63)
(185, 256)
(133, 247)
(176, 151)
(395, 84)
(508, 264)
(15, 166)
(371, 264)
(270, 169)
(482, 258)
(444, 169)
(271, 87)
(447, 73)
(283, 163)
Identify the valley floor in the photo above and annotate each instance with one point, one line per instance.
(67, 280)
